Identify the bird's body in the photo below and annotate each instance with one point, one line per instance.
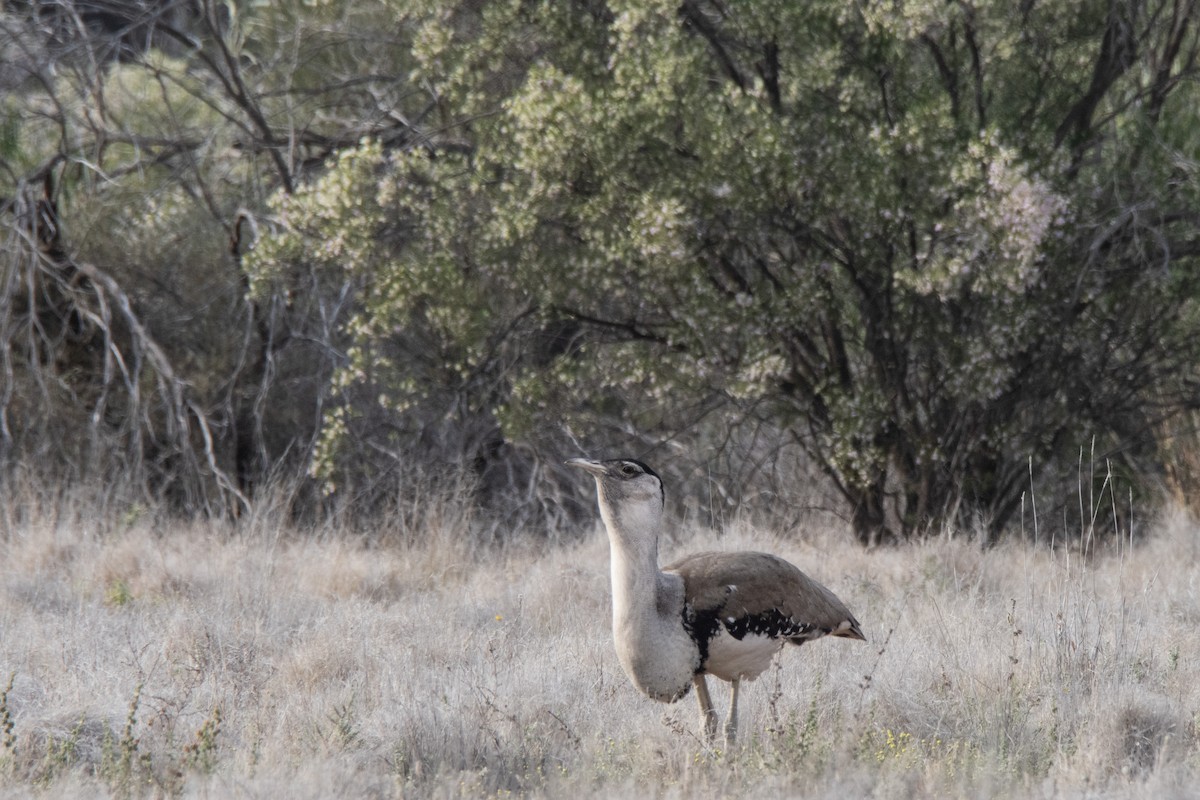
(721, 614)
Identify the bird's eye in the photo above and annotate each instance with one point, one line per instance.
(629, 470)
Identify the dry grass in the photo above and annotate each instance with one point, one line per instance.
(150, 658)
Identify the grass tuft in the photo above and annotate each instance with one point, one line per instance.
(201, 753)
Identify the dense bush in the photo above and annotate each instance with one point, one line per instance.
(924, 253)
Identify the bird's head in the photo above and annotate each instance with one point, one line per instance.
(629, 492)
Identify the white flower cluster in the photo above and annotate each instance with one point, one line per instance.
(994, 240)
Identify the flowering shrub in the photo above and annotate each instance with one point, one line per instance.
(887, 231)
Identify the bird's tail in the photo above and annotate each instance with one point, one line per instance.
(849, 630)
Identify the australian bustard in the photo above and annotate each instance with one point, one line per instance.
(722, 614)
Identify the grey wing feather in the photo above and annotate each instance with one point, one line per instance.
(748, 585)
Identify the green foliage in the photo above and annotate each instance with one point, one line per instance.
(123, 764)
(118, 593)
(201, 753)
(435, 295)
(924, 245)
(141, 144)
(888, 231)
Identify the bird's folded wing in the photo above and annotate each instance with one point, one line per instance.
(745, 585)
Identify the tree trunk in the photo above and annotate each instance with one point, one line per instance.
(870, 516)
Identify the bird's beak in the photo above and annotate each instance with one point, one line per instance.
(587, 464)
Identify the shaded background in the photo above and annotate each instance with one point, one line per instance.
(913, 265)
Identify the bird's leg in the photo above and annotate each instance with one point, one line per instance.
(731, 720)
(708, 715)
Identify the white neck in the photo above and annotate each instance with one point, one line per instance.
(633, 542)
(655, 650)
